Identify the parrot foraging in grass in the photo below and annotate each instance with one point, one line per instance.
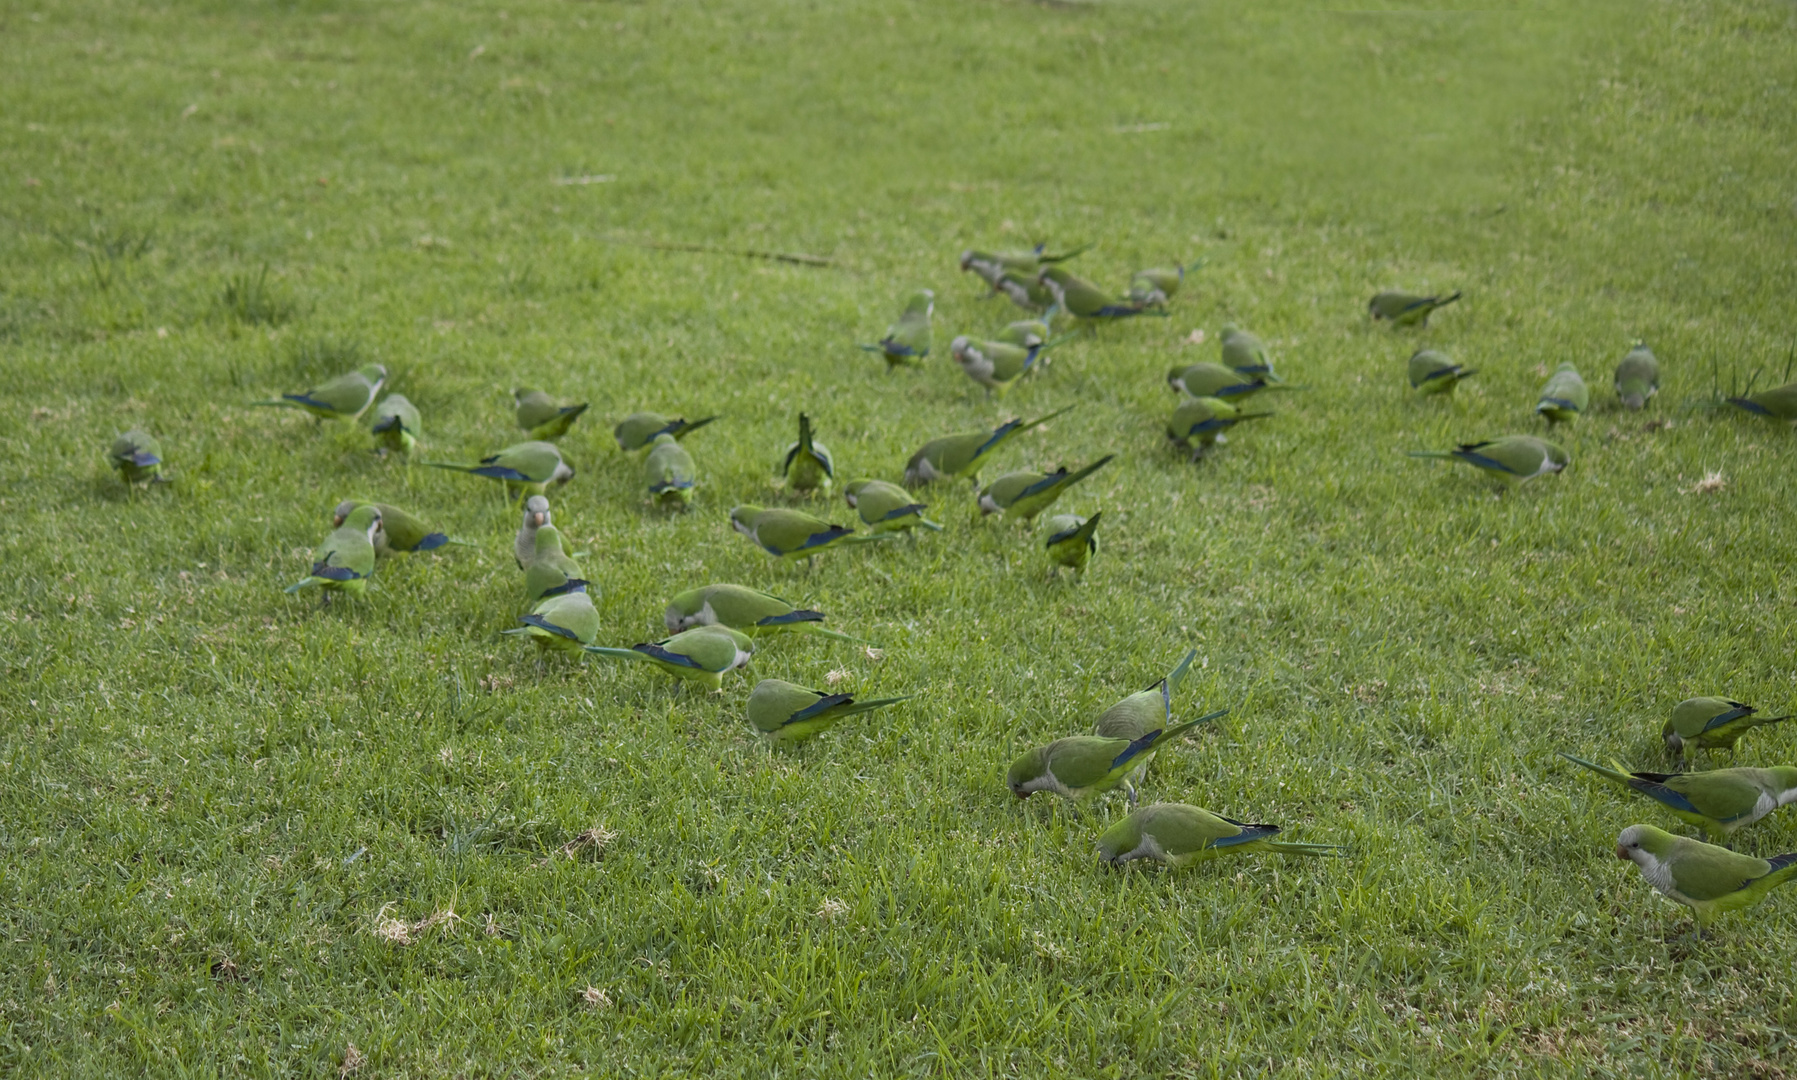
(1140, 713)
(524, 544)
(788, 713)
(527, 468)
(1637, 377)
(542, 552)
(1072, 540)
(138, 458)
(544, 418)
(794, 534)
(995, 365)
(1175, 835)
(338, 399)
(1200, 422)
(563, 621)
(640, 429)
(1711, 723)
(345, 561)
(1564, 396)
(1081, 766)
(1512, 458)
(907, 341)
(739, 607)
(1023, 288)
(395, 426)
(1207, 380)
(1082, 298)
(1433, 373)
(670, 472)
(1026, 494)
(885, 507)
(1709, 880)
(702, 655)
(1027, 333)
(1403, 309)
(992, 265)
(1778, 403)
(1153, 288)
(1718, 802)
(808, 465)
(953, 457)
(1245, 354)
(399, 531)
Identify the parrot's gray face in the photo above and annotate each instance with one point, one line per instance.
(743, 527)
(849, 497)
(967, 258)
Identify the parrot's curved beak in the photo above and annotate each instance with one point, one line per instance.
(1623, 853)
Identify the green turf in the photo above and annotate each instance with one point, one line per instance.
(234, 827)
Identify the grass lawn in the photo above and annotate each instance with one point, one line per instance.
(240, 835)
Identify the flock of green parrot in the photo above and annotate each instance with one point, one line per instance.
(714, 630)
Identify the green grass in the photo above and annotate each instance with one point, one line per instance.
(232, 825)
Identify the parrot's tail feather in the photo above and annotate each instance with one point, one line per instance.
(448, 465)
(1205, 719)
(867, 706)
(615, 654)
(277, 403)
(1442, 454)
(1178, 673)
(1446, 300)
(1068, 254)
(1602, 770)
(928, 524)
(870, 348)
(298, 585)
(1289, 847)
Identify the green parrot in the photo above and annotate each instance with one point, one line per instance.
(1026, 494)
(527, 468)
(1245, 354)
(1637, 377)
(1711, 723)
(1024, 289)
(670, 472)
(1778, 403)
(1511, 458)
(1176, 835)
(1709, 880)
(1200, 422)
(542, 416)
(953, 457)
(1433, 373)
(907, 341)
(995, 365)
(542, 552)
(345, 560)
(1140, 713)
(1081, 766)
(338, 399)
(399, 531)
(787, 713)
(1153, 288)
(1026, 333)
(1718, 802)
(794, 534)
(565, 621)
(807, 465)
(1084, 299)
(1563, 396)
(703, 654)
(138, 458)
(1207, 380)
(886, 507)
(638, 430)
(1072, 540)
(395, 426)
(1403, 309)
(991, 265)
(524, 545)
(739, 607)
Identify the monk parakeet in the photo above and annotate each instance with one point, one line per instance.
(991, 265)
(341, 398)
(1778, 403)
(1207, 380)
(1081, 766)
(1153, 288)
(1140, 713)
(1403, 309)
(1176, 835)
(544, 555)
(953, 457)
(1200, 422)
(1028, 333)
(1564, 395)
(701, 655)
(1711, 723)
(1719, 801)
(885, 507)
(1512, 458)
(1637, 377)
(1083, 298)
(640, 429)
(1024, 289)
(565, 621)
(1433, 373)
(1072, 540)
(399, 531)
(536, 516)
(907, 341)
(345, 560)
(995, 365)
(807, 465)
(138, 457)
(395, 426)
(787, 713)
(1245, 354)
(527, 468)
(1026, 494)
(542, 416)
(670, 472)
(741, 608)
(1709, 880)
(794, 534)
